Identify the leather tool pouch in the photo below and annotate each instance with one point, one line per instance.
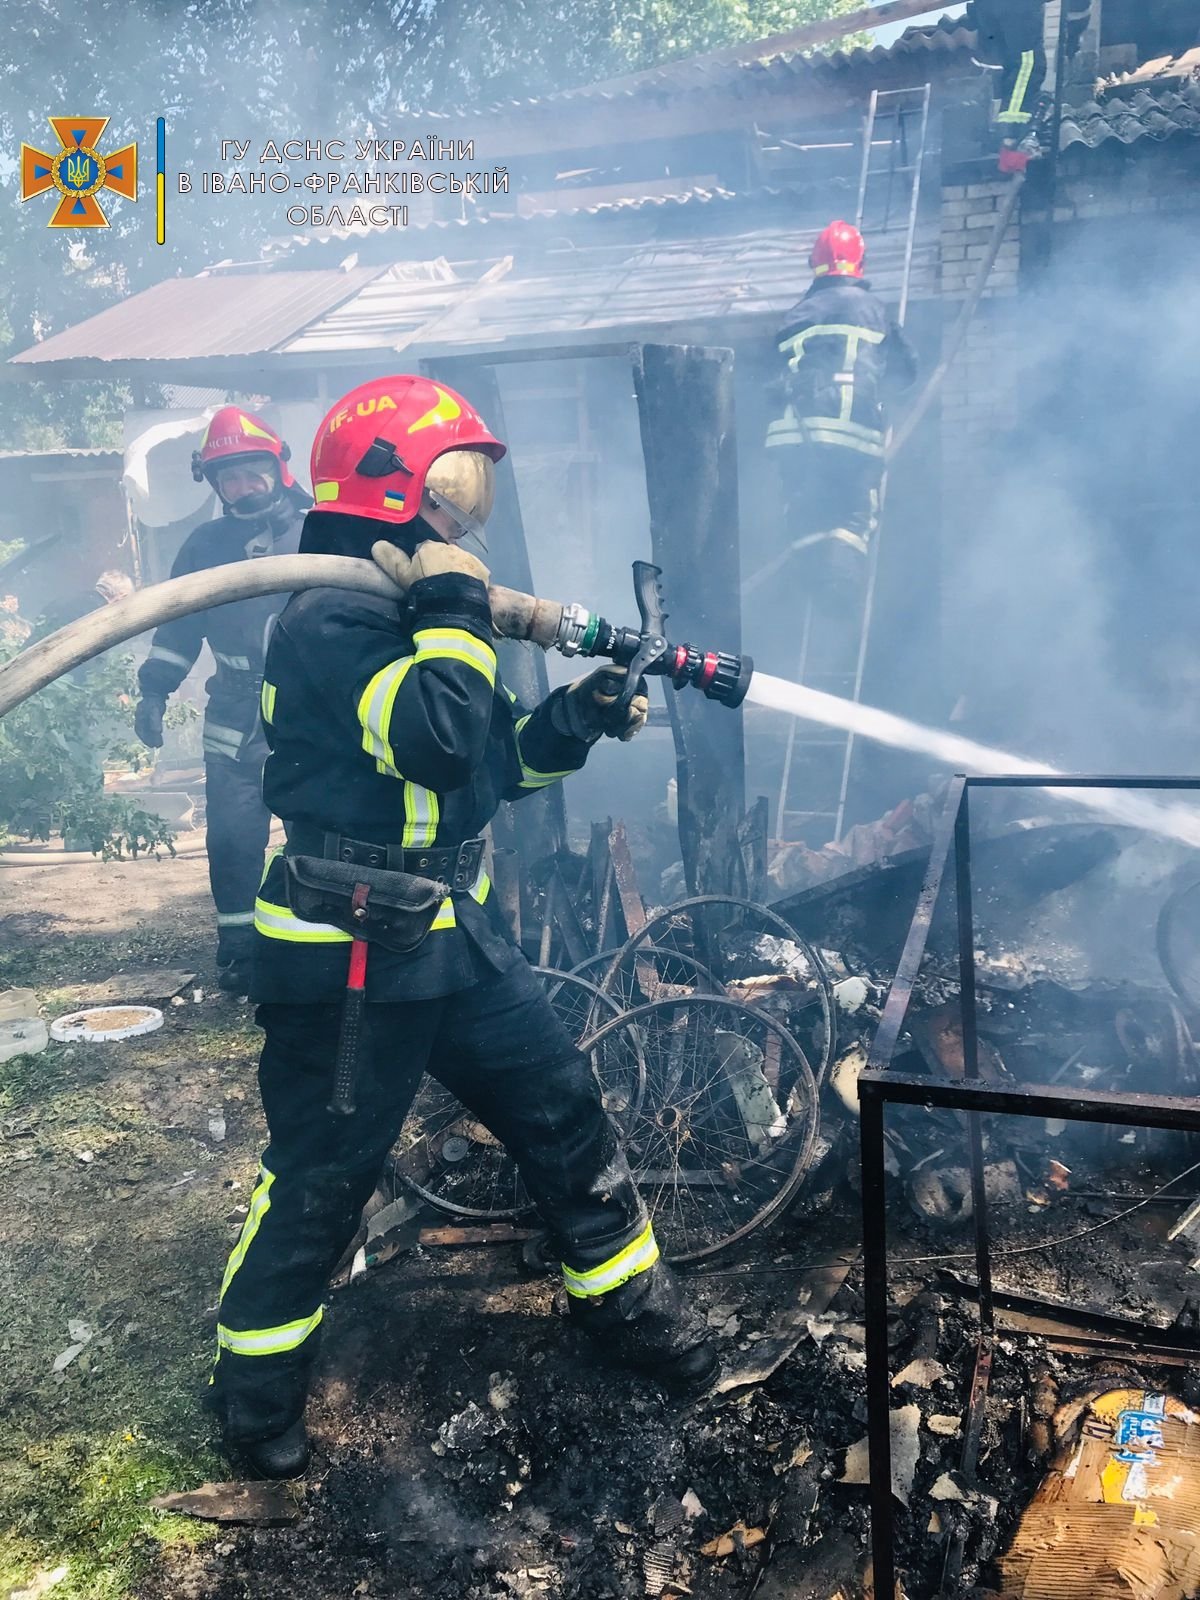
(399, 909)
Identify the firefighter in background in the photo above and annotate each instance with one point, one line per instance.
(844, 356)
(263, 511)
(393, 742)
(1011, 37)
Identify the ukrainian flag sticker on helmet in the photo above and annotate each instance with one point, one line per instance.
(394, 498)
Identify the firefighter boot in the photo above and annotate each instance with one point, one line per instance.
(646, 1324)
(285, 1456)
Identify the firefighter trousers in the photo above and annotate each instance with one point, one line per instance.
(501, 1049)
(238, 828)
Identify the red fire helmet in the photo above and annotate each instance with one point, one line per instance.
(373, 451)
(233, 433)
(840, 250)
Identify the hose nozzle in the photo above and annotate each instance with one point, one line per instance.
(645, 651)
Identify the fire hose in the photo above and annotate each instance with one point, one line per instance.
(571, 629)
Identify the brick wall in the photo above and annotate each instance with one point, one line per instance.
(979, 397)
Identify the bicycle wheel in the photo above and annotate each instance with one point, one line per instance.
(657, 973)
(727, 1125)
(1178, 940)
(447, 1156)
(753, 954)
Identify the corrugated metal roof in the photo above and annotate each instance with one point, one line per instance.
(233, 314)
(607, 289)
(397, 302)
(97, 452)
(947, 36)
(1145, 114)
(551, 296)
(572, 205)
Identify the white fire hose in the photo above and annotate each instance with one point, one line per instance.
(514, 615)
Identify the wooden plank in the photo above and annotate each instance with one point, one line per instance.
(265, 1505)
(753, 831)
(494, 1233)
(632, 908)
(685, 405)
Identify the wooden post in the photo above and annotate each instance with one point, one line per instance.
(685, 402)
(539, 822)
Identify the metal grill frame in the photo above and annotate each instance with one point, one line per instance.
(879, 1087)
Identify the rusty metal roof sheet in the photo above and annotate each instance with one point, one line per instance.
(221, 314)
(1158, 113)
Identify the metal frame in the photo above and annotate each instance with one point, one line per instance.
(878, 1087)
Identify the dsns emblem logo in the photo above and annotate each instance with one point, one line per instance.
(78, 172)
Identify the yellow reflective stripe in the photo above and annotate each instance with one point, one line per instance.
(611, 1274)
(446, 918)
(420, 816)
(530, 777)
(268, 1341)
(853, 335)
(844, 441)
(325, 491)
(375, 712)
(272, 855)
(260, 1204)
(1013, 111)
(456, 644)
(268, 701)
(280, 922)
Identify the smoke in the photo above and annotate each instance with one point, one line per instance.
(1070, 577)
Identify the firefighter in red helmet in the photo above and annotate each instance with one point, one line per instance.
(379, 946)
(263, 507)
(843, 356)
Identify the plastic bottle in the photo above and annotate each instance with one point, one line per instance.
(22, 1031)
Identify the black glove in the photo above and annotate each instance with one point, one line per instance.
(587, 709)
(148, 720)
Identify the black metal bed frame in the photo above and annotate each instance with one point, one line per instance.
(879, 1086)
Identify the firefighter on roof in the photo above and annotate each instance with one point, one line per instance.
(393, 741)
(1011, 39)
(263, 506)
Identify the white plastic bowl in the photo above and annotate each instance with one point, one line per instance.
(88, 1027)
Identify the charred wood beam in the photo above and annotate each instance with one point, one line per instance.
(685, 405)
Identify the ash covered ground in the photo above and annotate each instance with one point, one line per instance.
(467, 1445)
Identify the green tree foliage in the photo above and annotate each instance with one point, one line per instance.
(52, 750)
(253, 69)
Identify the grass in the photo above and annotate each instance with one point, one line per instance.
(130, 1244)
(82, 1501)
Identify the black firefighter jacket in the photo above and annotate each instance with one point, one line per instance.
(845, 355)
(389, 723)
(236, 634)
